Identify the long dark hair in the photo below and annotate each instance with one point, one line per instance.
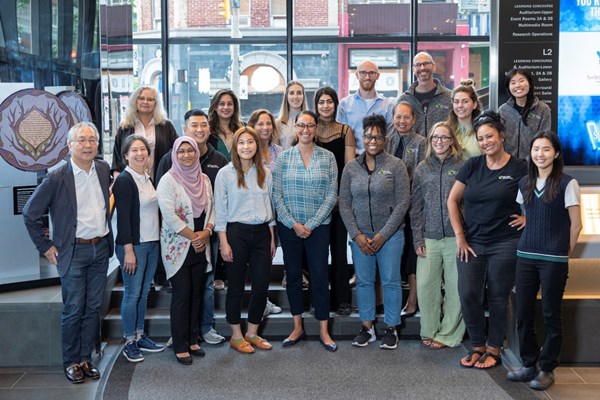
(329, 92)
(235, 122)
(530, 97)
(552, 187)
(237, 163)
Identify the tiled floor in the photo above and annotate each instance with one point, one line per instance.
(572, 383)
(49, 383)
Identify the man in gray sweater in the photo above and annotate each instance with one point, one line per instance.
(430, 99)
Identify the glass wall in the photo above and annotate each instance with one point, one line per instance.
(189, 49)
(244, 45)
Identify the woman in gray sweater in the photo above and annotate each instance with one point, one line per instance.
(374, 197)
(434, 239)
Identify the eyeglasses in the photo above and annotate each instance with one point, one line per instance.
(422, 64)
(377, 138)
(302, 127)
(185, 151)
(148, 99)
(371, 74)
(82, 141)
(443, 139)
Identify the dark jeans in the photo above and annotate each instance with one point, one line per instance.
(82, 292)
(340, 275)
(185, 304)
(552, 278)
(251, 247)
(317, 246)
(493, 267)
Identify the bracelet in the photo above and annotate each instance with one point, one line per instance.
(210, 230)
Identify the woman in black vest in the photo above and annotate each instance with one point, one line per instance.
(551, 202)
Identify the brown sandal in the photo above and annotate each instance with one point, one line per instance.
(435, 345)
(426, 342)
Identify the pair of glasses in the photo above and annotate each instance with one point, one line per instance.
(82, 141)
(371, 74)
(302, 127)
(443, 139)
(148, 99)
(423, 64)
(378, 138)
(186, 151)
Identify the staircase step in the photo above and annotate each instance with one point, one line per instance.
(274, 326)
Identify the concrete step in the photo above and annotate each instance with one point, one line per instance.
(274, 326)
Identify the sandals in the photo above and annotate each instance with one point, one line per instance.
(426, 342)
(469, 358)
(435, 345)
(480, 364)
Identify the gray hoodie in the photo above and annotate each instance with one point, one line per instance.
(414, 149)
(438, 109)
(431, 187)
(519, 135)
(377, 202)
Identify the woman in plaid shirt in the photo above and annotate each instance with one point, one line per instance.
(304, 193)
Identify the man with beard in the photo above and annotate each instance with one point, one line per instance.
(430, 99)
(365, 101)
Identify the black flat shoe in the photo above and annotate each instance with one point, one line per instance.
(197, 352)
(74, 374)
(291, 342)
(329, 347)
(89, 370)
(187, 360)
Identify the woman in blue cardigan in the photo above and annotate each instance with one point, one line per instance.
(137, 244)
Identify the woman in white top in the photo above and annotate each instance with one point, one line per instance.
(185, 200)
(246, 228)
(136, 243)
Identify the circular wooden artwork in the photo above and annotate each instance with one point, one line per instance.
(33, 129)
(78, 106)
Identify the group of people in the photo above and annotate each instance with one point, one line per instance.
(430, 187)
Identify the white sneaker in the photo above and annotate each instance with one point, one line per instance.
(271, 308)
(170, 342)
(213, 337)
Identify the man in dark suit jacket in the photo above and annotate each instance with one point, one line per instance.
(76, 196)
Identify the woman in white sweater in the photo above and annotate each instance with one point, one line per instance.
(185, 200)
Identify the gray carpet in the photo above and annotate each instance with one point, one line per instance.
(308, 371)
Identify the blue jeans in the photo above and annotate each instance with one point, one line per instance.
(82, 292)
(388, 259)
(207, 308)
(136, 287)
(317, 252)
(493, 269)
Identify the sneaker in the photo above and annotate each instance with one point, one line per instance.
(213, 337)
(271, 308)
(170, 342)
(146, 344)
(132, 352)
(390, 338)
(365, 337)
